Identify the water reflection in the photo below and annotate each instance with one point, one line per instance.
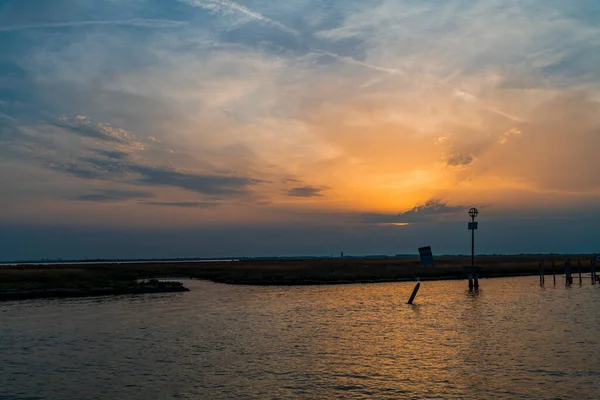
(511, 339)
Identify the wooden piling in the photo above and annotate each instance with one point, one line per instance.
(553, 273)
(568, 277)
(414, 293)
(579, 271)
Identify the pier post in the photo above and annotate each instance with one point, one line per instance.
(473, 212)
(414, 293)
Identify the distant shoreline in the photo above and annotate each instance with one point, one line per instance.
(60, 262)
(76, 280)
(75, 292)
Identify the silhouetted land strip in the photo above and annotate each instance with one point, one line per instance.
(124, 277)
(26, 283)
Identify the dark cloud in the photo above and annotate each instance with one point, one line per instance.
(210, 184)
(182, 204)
(107, 168)
(459, 159)
(306, 191)
(113, 195)
(77, 169)
(115, 154)
(431, 210)
(118, 163)
(91, 167)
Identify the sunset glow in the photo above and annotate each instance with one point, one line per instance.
(357, 116)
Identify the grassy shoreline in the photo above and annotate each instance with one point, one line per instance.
(284, 272)
(112, 290)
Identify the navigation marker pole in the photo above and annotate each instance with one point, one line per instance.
(472, 226)
(415, 290)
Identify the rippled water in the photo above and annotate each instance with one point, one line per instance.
(512, 340)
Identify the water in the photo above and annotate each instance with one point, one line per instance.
(513, 340)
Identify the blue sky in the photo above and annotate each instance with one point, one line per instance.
(298, 127)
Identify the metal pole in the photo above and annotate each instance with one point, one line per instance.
(473, 246)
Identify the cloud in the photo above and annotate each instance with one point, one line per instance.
(210, 184)
(459, 160)
(352, 97)
(307, 191)
(223, 7)
(83, 126)
(506, 135)
(431, 210)
(141, 23)
(353, 61)
(181, 204)
(147, 175)
(113, 195)
(114, 154)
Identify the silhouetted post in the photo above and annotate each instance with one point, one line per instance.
(568, 277)
(579, 271)
(553, 273)
(472, 226)
(414, 293)
(542, 279)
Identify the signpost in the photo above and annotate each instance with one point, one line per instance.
(472, 226)
(426, 255)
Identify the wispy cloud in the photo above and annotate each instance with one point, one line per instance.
(141, 23)
(350, 60)
(224, 7)
(113, 195)
(180, 204)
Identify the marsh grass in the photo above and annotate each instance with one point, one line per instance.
(278, 272)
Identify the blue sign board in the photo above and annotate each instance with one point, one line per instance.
(426, 255)
(472, 226)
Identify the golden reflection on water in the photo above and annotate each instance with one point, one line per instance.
(510, 339)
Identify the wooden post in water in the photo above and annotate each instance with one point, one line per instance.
(414, 293)
(553, 273)
(568, 278)
(579, 271)
(542, 279)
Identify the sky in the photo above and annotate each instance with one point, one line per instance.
(216, 128)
